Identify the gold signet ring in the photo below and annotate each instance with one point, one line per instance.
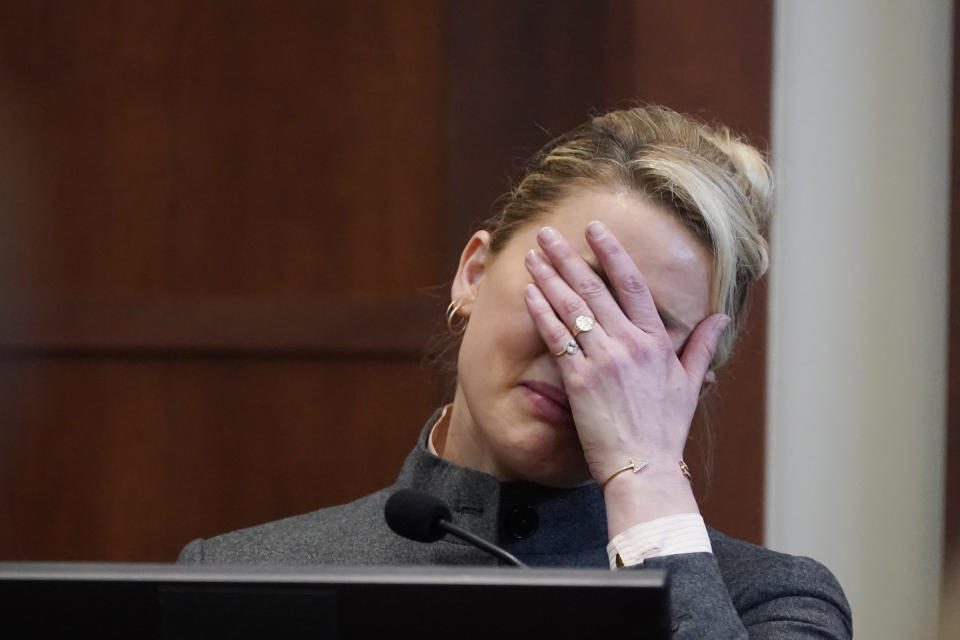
(582, 324)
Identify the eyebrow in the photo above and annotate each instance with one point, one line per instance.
(668, 318)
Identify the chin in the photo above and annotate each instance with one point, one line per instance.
(547, 460)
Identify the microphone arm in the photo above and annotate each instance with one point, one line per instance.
(477, 541)
(424, 517)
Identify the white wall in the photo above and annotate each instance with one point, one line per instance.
(858, 300)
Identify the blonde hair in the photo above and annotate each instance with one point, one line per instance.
(717, 184)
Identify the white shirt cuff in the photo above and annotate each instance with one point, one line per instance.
(666, 536)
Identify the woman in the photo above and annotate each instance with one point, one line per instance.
(594, 308)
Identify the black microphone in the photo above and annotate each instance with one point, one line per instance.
(423, 517)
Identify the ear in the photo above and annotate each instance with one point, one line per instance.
(473, 263)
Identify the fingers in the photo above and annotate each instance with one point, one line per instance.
(701, 346)
(565, 302)
(634, 296)
(584, 285)
(555, 334)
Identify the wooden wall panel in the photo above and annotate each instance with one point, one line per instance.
(227, 228)
(226, 215)
(220, 148)
(121, 459)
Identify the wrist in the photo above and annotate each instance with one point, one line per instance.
(658, 490)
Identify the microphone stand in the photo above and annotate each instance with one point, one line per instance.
(492, 549)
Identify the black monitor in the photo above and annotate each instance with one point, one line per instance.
(180, 601)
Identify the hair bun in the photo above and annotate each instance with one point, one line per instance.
(753, 172)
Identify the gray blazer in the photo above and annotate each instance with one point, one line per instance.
(739, 591)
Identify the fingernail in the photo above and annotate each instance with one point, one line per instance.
(724, 322)
(548, 235)
(530, 291)
(596, 229)
(533, 258)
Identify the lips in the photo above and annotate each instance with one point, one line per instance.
(548, 402)
(550, 392)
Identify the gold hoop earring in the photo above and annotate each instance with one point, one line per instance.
(460, 325)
